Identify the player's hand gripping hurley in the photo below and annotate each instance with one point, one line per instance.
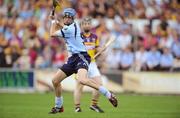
(55, 4)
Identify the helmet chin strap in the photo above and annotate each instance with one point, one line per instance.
(87, 31)
(70, 23)
(67, 24)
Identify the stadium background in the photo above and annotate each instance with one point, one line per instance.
(143, 60)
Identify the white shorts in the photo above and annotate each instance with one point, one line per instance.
(93, 70)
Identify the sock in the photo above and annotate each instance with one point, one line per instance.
(94, 102)
(58, 102)
(104, 91)
(77, 105)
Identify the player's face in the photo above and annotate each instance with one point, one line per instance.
(67, 20)
(86, 26)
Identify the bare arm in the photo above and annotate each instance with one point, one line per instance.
(55, 26)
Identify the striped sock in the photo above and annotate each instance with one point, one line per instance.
(77, 105)
(94, 102)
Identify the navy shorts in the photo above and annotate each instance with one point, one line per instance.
(75, 62)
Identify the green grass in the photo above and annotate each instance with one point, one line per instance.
(131, 106)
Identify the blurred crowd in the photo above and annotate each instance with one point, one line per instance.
(147, 33)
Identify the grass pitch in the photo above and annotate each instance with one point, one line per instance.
(131, 106)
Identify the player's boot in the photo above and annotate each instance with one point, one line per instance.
(96, 108)
(78, 109)
(113, 100)
(55, 110)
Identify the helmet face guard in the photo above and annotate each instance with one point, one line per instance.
(69, 13)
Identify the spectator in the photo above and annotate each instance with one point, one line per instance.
(125, 38)
(12, 54)
(33, 56)
(176, 47)
(3, 46)
(44, 60)
(111, 19)
(148, 39)
(23, 62)
(165, 41)
(139, 9)
(7, 28)
(115, 55)
(126, 59)
(15, 39)
(99, 7)
(101, 30)
(152, 10)
(60, 57)
(166, 60)
(153, 59)
(26, 12)
(140, 58)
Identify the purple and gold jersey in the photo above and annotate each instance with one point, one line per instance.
(91, 42)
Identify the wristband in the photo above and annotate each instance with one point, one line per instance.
(53, 21)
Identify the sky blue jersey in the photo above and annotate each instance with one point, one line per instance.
(72, 37)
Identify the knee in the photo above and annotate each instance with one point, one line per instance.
(79, 86)
(101, 83)
(98, 80)
(55, 82)
(82, 81)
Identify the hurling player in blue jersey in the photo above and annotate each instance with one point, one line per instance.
(77, 63)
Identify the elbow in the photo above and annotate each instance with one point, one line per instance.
(52, 35)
